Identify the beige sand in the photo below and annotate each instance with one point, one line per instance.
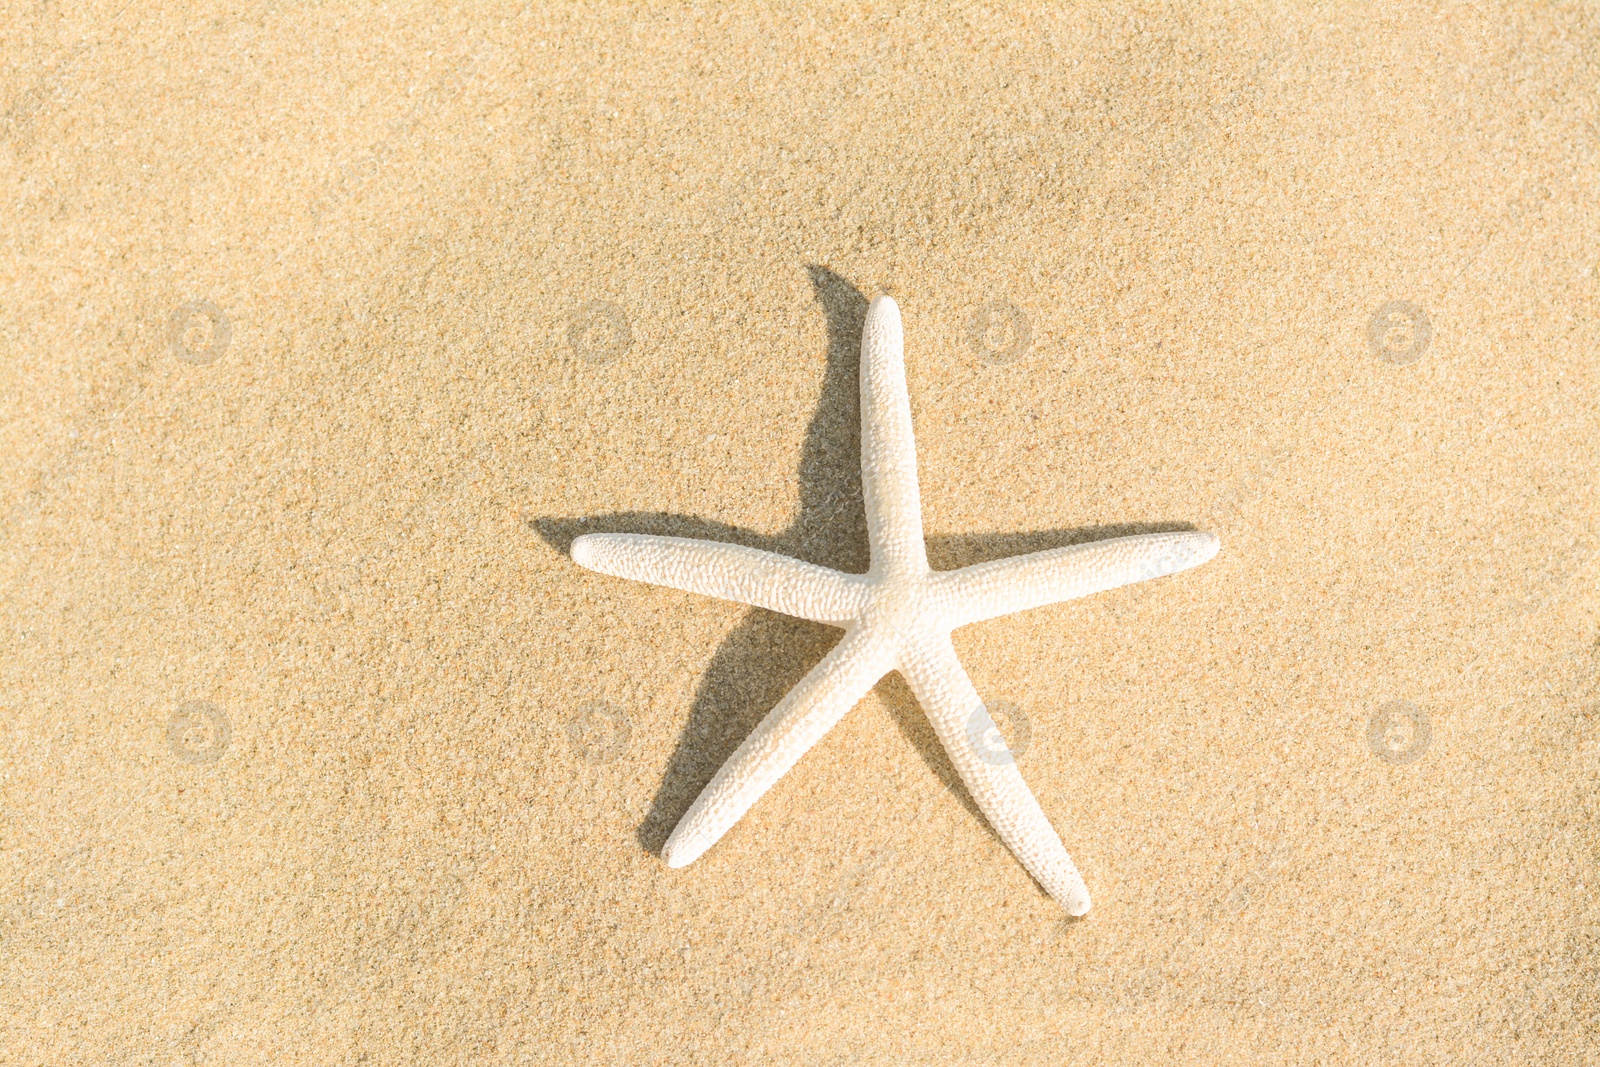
(319, 750)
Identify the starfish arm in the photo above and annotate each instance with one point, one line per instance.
(729, 572)
(888, 449)
(790, 729)
(988, 769)
(988, 590)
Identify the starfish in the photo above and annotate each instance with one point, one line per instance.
(897, 616)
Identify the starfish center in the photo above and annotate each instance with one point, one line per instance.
(901, 605)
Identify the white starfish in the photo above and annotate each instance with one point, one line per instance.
(897, 616)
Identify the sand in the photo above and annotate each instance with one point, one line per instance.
(328, 328)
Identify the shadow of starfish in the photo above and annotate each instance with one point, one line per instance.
(767, 654)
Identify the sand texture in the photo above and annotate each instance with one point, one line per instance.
(328, 328)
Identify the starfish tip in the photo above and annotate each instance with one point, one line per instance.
(675, 855)
(583, 549)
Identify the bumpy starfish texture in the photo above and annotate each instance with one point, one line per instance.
(897, 616)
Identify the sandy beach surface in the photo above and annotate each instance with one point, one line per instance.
(327, 328)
